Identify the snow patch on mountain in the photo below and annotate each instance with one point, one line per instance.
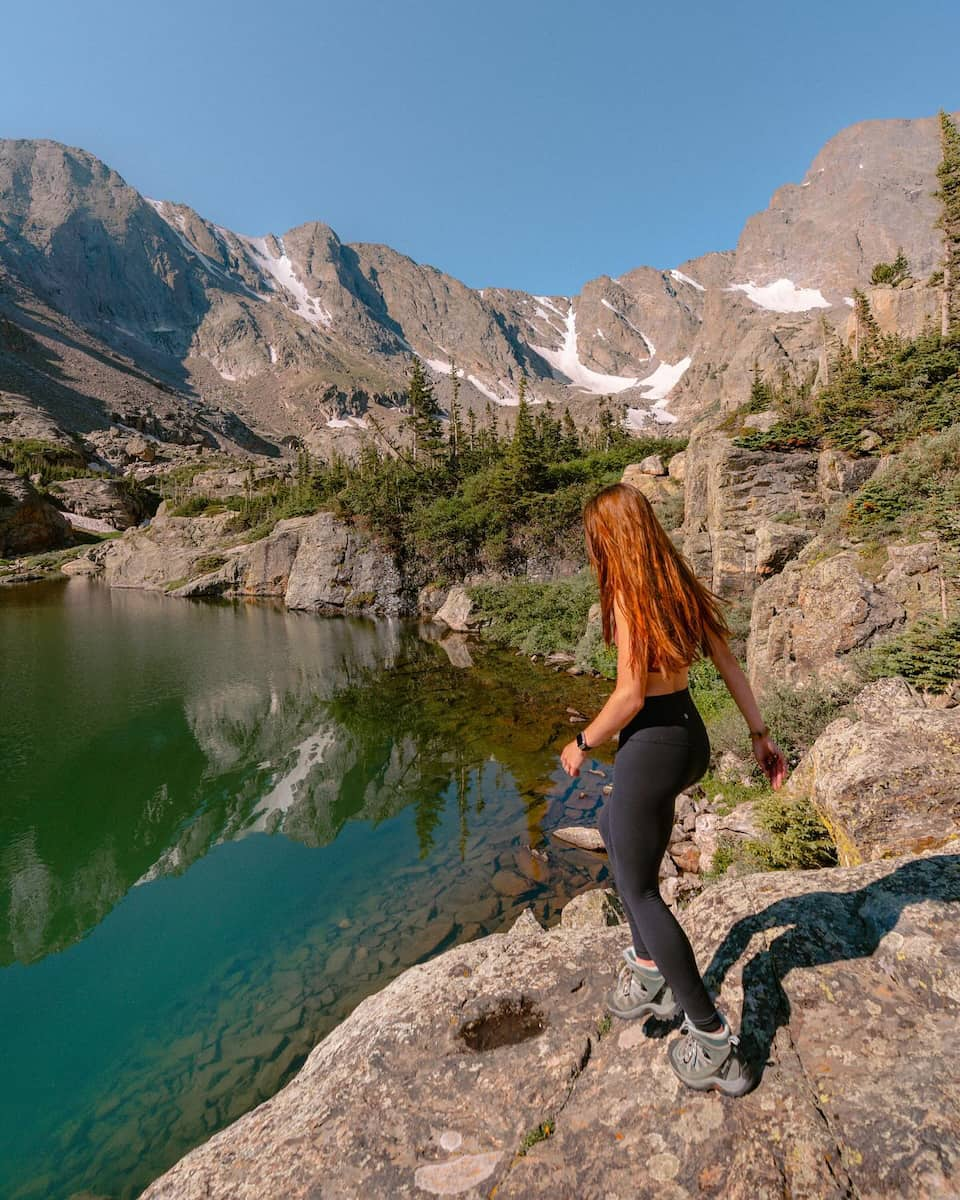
(508, 396)
(681, 278)
(782, 296)
(346, 423)
(280, 269)
(658, 387)
(566, 360)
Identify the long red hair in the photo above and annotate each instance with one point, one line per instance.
(669, 612)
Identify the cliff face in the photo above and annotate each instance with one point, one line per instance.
(491, 1067)
(120, 308)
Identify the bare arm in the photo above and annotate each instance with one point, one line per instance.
(766, 751)
(623, 703)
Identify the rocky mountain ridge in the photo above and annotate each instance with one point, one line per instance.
(118, 309)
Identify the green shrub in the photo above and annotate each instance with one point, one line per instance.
(208, 563)
(927, 654)
(893, 273)
(50, 460)
(536, 618)
(709, 691)
(195, 506)
(795, 836)
(797, 716)
(919, 490)
(899, 388)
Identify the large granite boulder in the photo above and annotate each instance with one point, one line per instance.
(28, 523)
(493, 1068)
(339, 567)
(458, 610)
(805, 620)
(260, 568)
(809, 618)
(747, 512)
(886, 779)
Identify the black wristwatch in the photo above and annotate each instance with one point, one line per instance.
(582, 742)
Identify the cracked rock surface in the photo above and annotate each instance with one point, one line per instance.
(848, 982)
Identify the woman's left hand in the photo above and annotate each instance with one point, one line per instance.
(571, 758)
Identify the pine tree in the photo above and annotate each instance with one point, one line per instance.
(948, 175)
(520, 471)
(423, 415)
(868, 339)
(761, 393)
(570, 434)
(549, 434)
(456, 433)
(525, 453)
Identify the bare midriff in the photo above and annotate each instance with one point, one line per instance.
(659, 684)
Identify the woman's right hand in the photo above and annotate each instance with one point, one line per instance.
(771, 758)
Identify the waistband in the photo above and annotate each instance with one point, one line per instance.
(669, 708)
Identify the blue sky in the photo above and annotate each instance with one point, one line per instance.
(531, 143)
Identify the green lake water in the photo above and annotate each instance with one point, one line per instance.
(223, 825)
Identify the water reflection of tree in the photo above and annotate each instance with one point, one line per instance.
(457, 720)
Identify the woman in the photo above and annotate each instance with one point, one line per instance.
(661, 618)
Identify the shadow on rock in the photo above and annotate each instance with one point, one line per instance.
(823, 927)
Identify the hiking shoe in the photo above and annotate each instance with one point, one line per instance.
(710, 1061)
(640, 992)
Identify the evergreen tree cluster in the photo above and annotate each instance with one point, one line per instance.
(452, 494)
(893, 272)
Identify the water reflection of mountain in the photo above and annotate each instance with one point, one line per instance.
(200, 723)
(171, 721)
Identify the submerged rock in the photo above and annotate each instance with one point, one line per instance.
(493, 1064)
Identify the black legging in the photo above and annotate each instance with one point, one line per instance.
(660, 752)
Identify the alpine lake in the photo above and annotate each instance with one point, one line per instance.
(222, 825)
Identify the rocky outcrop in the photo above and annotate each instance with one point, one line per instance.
(28, 523)
(164, 554)
(319, 563)
(747, 512)
(493, 1068)
(885, 779)
(337, 567)
(107, 500)
(810, 617)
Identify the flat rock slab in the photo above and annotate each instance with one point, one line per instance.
(848, 980)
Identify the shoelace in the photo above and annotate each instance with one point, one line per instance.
(628, 975)
(693, 1051)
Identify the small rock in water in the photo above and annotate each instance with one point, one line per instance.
(584, 837)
